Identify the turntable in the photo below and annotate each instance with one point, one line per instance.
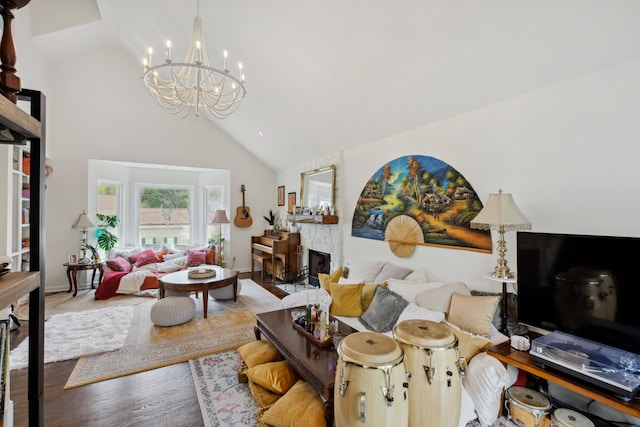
(599, 364)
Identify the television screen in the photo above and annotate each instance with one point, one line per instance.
(586, 286)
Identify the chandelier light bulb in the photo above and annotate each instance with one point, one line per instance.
(168, 51)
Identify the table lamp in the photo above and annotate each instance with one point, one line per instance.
(220, 217)
(83, 222)
(501, 213)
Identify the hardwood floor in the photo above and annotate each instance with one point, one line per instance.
(161, 397)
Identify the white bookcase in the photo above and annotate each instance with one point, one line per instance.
(15, 241)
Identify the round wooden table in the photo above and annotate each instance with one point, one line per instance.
(180, 282)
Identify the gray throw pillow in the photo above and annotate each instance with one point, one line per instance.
(384, 310)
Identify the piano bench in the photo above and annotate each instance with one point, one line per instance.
(263, 259)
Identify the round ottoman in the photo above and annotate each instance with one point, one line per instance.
(172, 311)
(172, 293)
(224, 293)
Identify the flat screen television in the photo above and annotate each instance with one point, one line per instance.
(587, 286)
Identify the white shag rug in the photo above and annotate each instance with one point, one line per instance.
(72, 335)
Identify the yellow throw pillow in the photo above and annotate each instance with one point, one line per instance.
(277, 377)
(301, 406)
(346, 299)
(257, 352)
(326, 279)
(264, 398)
(472, 314)
(368, 290)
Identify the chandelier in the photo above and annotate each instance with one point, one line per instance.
(194, 85)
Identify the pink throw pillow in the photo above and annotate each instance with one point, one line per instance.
(195, 258)
(145, 257)
(120, 264)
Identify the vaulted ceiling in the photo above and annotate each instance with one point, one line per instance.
(327, 75)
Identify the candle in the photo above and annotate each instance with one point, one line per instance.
(198, 56)
(168, 50)
(150, 52)
(225, 54)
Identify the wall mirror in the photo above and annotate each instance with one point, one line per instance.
(317, 188)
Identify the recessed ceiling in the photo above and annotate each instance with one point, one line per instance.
(325, 76)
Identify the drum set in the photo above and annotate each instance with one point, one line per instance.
(529, 408)
(413, 379)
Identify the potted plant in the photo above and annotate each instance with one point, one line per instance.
(106, 239)
(95, 256)
(271, 219)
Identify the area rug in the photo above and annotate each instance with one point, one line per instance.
(63, 302)
(72, 335)
(292, 289)
(229, 324)
(223, 400)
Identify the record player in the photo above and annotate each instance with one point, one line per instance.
(599, 364)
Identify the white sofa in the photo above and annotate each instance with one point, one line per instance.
(431, 301)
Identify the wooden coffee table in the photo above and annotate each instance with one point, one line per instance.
(180, 282)
(316, 365)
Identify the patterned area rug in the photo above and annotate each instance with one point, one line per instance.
(229, 324)
(223, 401)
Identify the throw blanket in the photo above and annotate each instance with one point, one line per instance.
(126, 283)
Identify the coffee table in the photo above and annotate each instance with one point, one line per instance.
(180, 282)
(316, 365)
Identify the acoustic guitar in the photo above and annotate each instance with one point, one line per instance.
(243, 217)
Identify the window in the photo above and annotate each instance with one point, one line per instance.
(164, 214)
(110, 202)
(213, 194)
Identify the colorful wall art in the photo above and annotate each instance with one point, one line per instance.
(419, 200)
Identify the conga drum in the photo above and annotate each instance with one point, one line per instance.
(369, 385)
(563, 417)
(527, 408)
(434, 368)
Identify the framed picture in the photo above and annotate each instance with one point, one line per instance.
(73, 259)
(281, 195)
(291, 202)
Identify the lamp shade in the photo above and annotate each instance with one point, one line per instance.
(501, 211)
(83, 221)
(220, 217)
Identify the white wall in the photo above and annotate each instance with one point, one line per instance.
(104, 112)
(567, 153)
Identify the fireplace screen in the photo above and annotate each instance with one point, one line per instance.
(319, 262)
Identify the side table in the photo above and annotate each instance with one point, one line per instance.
(72, 273)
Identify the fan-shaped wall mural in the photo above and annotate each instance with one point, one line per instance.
(419, 200)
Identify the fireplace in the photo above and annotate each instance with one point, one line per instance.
(319, 262)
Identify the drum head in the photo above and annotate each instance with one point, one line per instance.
(568, 418)
(424, 333)
(370, 349)
(529, 398)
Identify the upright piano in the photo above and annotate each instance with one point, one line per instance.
(276, 253)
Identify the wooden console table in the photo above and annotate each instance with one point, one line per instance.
(520, 359)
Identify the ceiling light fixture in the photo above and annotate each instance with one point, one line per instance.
(194, 85)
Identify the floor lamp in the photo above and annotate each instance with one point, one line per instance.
(220, 217)
(83, 222)
(501, 213)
